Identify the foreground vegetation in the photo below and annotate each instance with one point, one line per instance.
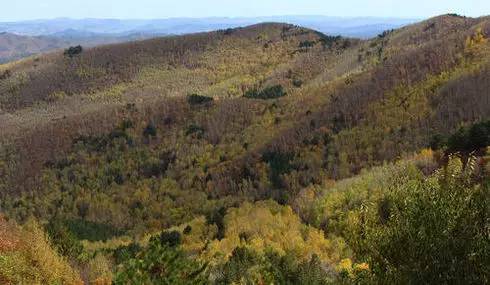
(400, 223)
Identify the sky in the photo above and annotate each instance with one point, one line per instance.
(15, 10)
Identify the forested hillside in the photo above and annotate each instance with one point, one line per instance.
(270, 154)
(13, 47)
(27, 38)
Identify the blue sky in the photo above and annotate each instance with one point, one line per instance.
(146, 9)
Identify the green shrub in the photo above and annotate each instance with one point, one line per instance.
(6, 74)
(456, 15)
(306, 44)
(156, 166)
(187, 230)
(161, 263)
(438, 141)
(329, 41)
(272, 92)
(87, 230)
(216, 217)
(64, 240)
(297, 83)
(470, 138)
(196, 130)
(246, 266)
(171, 239)
(195, 99)
(465, 139)
(239, 267)
(150, 130)
(386, 33)
(434, 231)
(228, 31)
(279, 163)
(286, 269)
(125, 253)
(413, 229)
(73, 51)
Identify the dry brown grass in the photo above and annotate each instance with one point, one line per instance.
(9, 239)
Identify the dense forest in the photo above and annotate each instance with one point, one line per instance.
(270, 154)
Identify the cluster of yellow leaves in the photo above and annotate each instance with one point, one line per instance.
(201, 233)
(100, 270)
(115, 93)
(56, 96)
(476, 39)
(352, 270)
(88, 72)
(267, 225)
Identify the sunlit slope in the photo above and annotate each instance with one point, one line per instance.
(350, 104)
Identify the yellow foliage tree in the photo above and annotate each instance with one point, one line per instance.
(476, 39)
(26, 257)
(265, 225)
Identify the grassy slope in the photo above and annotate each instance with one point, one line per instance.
(15, 47)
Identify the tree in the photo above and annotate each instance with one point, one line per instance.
(73, 51)
(432, 231)
(306, 44)
(64, 240)
(240, 267)
(150, 130)
(272, 92)
(6, 74)
(468, 139)
(162, 262)
(195, 99)
(246, 266)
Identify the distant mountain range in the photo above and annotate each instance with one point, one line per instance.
(352, 27)
(25, 38)
(15, 46)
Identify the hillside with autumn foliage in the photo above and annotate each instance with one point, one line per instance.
(269, 154)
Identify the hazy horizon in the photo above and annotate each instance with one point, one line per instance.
(151, 9)
(306, 16)
(363, 27)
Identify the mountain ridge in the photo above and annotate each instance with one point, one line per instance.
(92, 32)
(152, 44)
(132, 24)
